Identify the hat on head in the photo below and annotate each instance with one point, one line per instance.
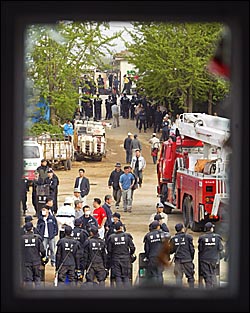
(179, 226)
(129, 134)
(158, 217)
(78, 201)
(159, 205)
(77, 222)
(94, 229)
(50, 171)
(68, 200)
(137, 150)
(28, 226)
(118, 164)
(118, 225)
(209, 225)
(154, 224)
(77, 190)
(154, 134)
(116, 214)
(28, 218)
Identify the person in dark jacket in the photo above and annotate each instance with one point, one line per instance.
(152, 246)
(68, 256)
(181, 244)
(98, 108)
(114, 183)
(120, 248)
(28, 218)
(116, 217)
(33, 253)
(157, 119)
(48, 229)
(87, 220)
(78, 233)
(107, 207)
(82, 183)
(43, 170)
(163, 226)
(210, 249)
(95, 258)
(142, 120)
(37, 181)
(127, 147)
(24, 190)
(52, 182)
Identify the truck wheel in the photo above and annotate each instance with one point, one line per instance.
(195, 226)
(185, 211)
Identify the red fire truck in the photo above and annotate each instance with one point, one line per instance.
(192, 169)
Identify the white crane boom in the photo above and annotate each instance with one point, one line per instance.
(213, 130)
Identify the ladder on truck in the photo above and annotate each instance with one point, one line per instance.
(213, 130)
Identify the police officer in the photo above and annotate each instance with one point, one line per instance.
(78, 233)
(210, 251)
(28, 218)
(98, 108)
(152, 246)
(181, 244)
(32, 252)
(68, 257)
(120, 248)
(95, 258)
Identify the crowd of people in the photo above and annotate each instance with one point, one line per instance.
(87, 245)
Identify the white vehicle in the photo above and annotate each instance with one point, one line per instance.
(89, 140)
(58, 152)
(32, 156)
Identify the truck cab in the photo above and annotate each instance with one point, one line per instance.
(32, 156)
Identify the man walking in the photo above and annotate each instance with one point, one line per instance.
(126, 183)
(82, 183)
(114, 183)
(127, 148)
(138, 165)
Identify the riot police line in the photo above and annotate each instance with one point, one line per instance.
(89, 262)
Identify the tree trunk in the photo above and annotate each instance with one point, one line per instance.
(189, 100)
(210, 103)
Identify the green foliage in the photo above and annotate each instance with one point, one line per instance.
(43, 127)
(172, 61)
(58, 55)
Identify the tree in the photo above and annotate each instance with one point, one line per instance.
(57, 56)
(172, 60)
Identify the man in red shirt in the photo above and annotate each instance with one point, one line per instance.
(100, 215)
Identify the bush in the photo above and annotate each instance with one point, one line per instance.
(43, 127)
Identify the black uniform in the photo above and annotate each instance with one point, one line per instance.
(125, 104)
(182, 245)
(120, 247)
(87, 222)
(69, 253)
(98, 108)
(152, 246)
(80, 235)
(32, 251)
(210, 249)
(24, 190)
(95, 258)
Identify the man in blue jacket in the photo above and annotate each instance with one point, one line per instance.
(48, 229)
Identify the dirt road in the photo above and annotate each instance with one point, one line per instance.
(145, 198)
